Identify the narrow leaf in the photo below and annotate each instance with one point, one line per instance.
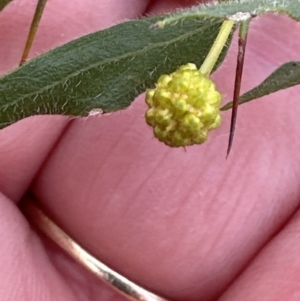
(286, 76)
(106, 70)
(238, 7)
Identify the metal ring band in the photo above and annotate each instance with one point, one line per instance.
(121, 284)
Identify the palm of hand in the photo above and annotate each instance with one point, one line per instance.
(187, 225)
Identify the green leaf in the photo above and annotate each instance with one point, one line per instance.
(106, 70)
(230, 8)
(286, 76)
(3, 3)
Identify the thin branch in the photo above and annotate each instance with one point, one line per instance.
(217, 47)
(33, 29)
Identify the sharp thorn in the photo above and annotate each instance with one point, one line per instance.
(238, 80)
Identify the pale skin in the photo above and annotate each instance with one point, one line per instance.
(187, 225)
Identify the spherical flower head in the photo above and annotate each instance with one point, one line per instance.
(183, 107)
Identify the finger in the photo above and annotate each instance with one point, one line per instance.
(24, 147)
(33, 269)
(183, 224)
(166, 6)
(26, 273)
(274, 274)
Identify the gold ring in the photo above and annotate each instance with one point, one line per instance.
(118, 282)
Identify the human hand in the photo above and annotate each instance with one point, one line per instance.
(186, 225)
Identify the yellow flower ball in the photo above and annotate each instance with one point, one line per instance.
(183, 107)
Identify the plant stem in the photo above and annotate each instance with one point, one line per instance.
(243, 33)
(33, 29)
(217, 47)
